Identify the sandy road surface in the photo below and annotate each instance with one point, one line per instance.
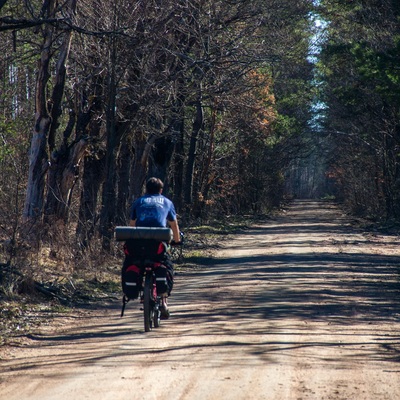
(301, 307)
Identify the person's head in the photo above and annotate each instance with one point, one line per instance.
(154, 186)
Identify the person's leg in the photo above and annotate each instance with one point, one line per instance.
(170, 283)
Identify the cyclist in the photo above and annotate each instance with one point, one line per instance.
(155, 210)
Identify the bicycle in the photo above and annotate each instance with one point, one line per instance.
(145, 249)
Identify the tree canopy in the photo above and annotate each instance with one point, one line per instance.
(234, 104)
(359, 65)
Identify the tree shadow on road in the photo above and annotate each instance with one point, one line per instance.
(309, 286)
(259, 304)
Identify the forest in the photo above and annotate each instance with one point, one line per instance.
(237, 105)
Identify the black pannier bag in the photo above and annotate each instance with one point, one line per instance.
(130, 280)
(161, 279)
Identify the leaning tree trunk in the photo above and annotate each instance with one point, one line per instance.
(38, 157)
(43, 140)
(66, 159)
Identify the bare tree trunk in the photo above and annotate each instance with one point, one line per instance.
(109, 198)
(178, 164)
(139, 167)
(124, 167)
(65, 161)
(38, 157)
(197, 126)
(93, 170)
(59, 81)
(108, 201)
(206, 180)
(108, 212)
(160, 159)
(92, 179)
(62, 176)
(43, 140)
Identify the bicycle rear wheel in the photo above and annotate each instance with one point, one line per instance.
(156, 315)
(148, 303)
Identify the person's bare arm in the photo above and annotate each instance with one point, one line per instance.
(132, 222)
(175, 230)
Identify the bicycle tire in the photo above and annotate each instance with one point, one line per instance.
(156, 306)
(147, 303)
(156, 316)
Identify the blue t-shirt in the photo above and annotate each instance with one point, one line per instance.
(153, 210)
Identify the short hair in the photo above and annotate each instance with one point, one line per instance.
(154, 185)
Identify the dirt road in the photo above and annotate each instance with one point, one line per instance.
(300, 307)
